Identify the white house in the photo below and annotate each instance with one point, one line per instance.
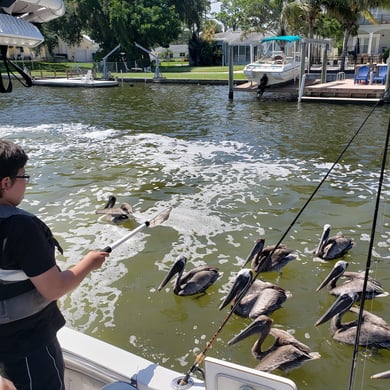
(83, 52)
(372, 39)
(174, 51)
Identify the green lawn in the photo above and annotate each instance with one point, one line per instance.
(168, 70)
(193, 74)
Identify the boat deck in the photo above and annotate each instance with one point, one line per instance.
(333, 91)
(342, 90)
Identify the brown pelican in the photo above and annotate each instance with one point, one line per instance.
(330, 248)
(116, 214)
(353, 284)
(195, 281)
(271, 258)
(261, 298)
(286, 352)
(374, 331)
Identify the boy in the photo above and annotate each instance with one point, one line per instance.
(30, 284)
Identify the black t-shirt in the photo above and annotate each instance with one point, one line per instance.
(28, 246)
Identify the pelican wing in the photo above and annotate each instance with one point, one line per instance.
(198, 280)
(285, 357)
(267, 301)
(336, 246)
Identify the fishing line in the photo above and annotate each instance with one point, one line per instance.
(266, 260)
(368, 263)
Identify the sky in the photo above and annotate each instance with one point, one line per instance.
(215, 6)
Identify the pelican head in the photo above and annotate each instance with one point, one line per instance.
(177, 268)
(240, 287)
(261, 325)
(255, 252)
(340, 306)
(337, 271)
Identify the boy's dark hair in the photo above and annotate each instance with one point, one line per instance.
(12, 158)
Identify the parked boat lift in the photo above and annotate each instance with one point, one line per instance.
(311, 88)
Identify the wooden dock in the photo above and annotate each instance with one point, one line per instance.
(339, 91)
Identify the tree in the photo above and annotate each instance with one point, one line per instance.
(251, 15)
(150, 23)
(348, 12)
(295, 12)
(192, 12)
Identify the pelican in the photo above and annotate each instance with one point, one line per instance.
(196, 281)
(374, 331)
(286, 352)
(269, 258)
(116, 214)
(330, 248)
(353, 284)
(261, 298)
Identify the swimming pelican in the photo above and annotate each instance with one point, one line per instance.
(286, 352)
(270, 258)
(116, 214)
(374, 331)
(195, 281)
(330, 248)
(261, 298)
(353, 284)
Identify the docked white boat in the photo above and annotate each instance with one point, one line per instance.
(91, 364)
(86, 81)
(17, 18)
(279, 63)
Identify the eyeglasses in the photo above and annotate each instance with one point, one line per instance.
(25, 177)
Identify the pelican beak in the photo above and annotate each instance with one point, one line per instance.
(338, 269)
(111, 202)
(256, 250)
(240, 286)
(255, 327)
(176, 268)
(324, 237)
(342, 304)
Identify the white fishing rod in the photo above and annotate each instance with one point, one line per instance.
(157, 220)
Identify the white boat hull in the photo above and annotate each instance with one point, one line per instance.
(76, 82)
(36, 11)
(91, 364)
(16, 20)
(276, 74)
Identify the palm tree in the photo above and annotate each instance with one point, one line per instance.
(294, 12)
(348, 12)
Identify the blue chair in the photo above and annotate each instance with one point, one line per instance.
(380, 75)
(362, 74)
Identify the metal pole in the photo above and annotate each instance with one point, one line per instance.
(303, 56)
(230, 72)
(324, 64)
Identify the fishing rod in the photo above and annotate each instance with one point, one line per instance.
(264, 263)
(155, 221)
(368, 263)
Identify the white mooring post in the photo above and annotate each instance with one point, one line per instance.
(230, 72)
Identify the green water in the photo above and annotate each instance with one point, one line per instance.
(232, 171)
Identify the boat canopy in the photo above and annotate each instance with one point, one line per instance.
(287, 38)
